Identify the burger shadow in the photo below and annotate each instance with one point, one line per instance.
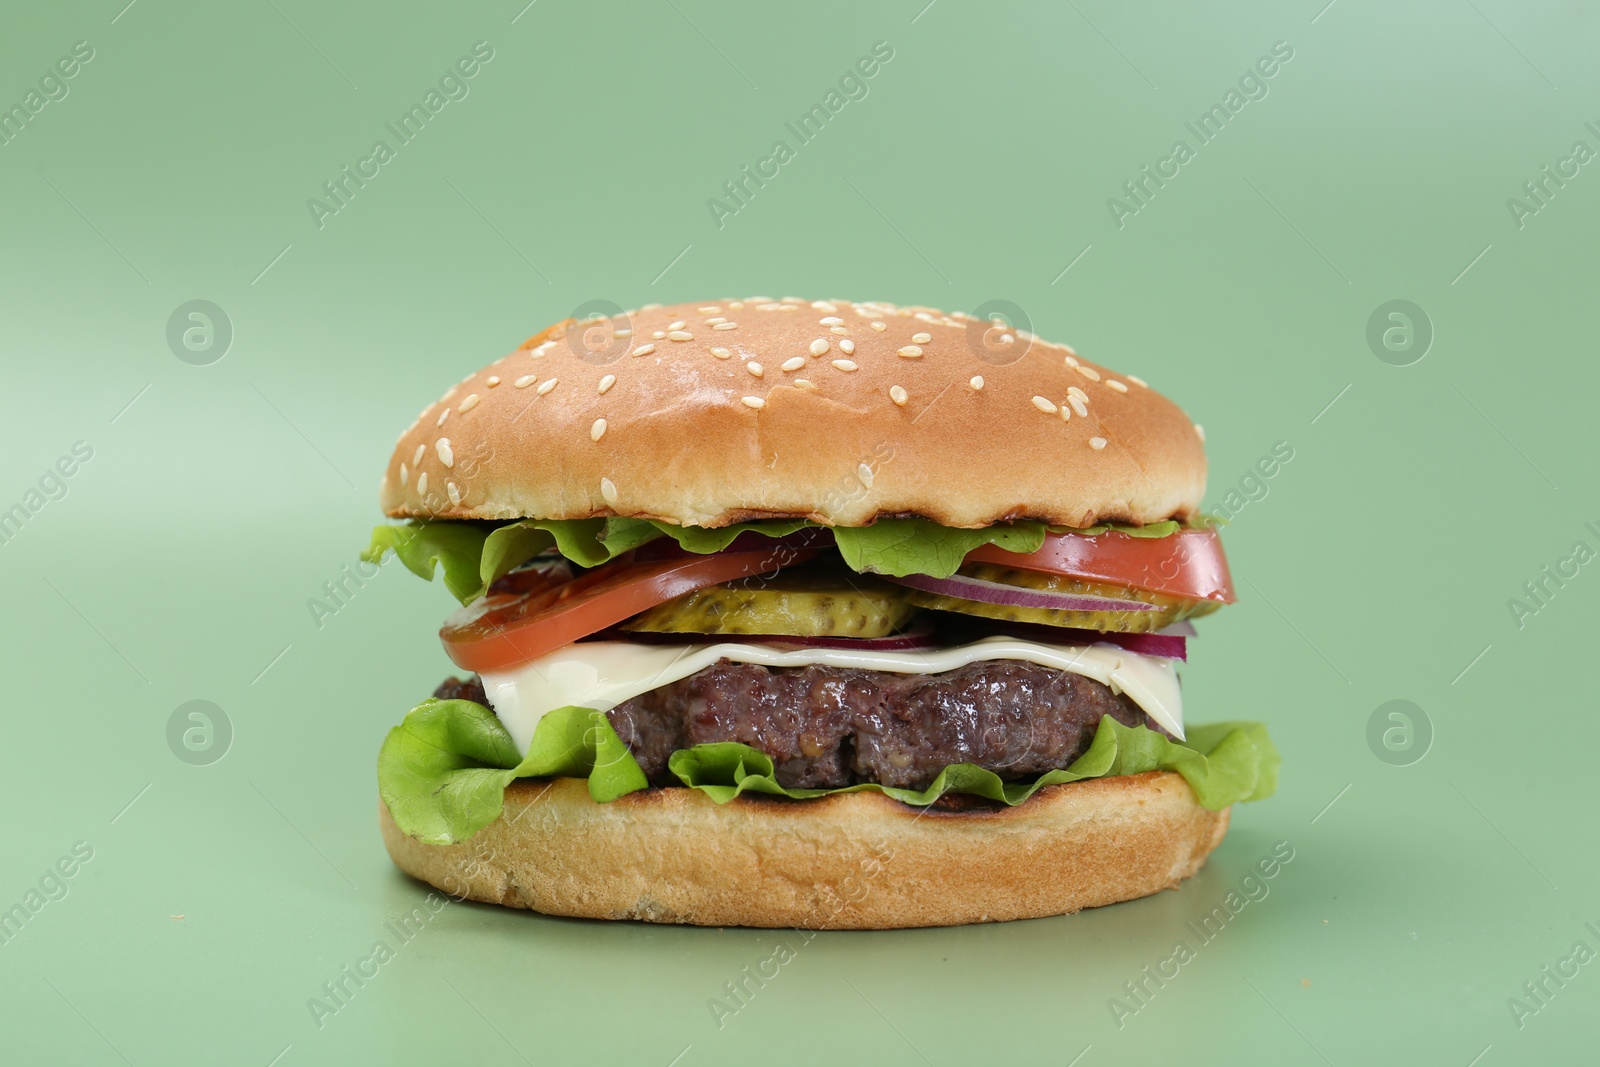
(1260, 888)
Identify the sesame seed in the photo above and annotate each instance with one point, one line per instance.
(649, 307)
(542, 349)
(492, 380)
(898, 395)
(1070, 350)
(445, 414)
(1200, 432)
(838, 330)
(659, 335)
(1118, 386)
(455, 494)
(864, 472)
(1079, 406)
(536, 353)
(847, 346)
(608, 489)
(622, 333)
(545, 387)
(680, 324)
(922, 338)
(680, 335)
(844, 364)
(737, 305)
(1066, 414)
(714, 320)
(524, 381)
(644, 350)
(755, 368)
(1007, 339)
(754, 402)
(1073, 390)
(1136, 380)
(422, 484)
(1044, 405)
(598, 430)
(710, 308)
(1097, 443)
(804, 383)
(606, 383)
(823, 305)
(416, 458)
(831, 320)
(721, 353)
(405, 475)
(726, 326)
(880, 327)
(446, 456)
(1071, 362)
(819, 347)
(469, 403)
(976, 382)
(794, 363)
(911, 351)
(1089, 373)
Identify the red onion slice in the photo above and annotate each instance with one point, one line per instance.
(1163, 645)
(906, 642)
(1011, 596)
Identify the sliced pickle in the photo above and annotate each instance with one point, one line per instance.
(804, 602)
(1167, 610)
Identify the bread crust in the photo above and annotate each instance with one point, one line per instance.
(574, 424)
(845, 861)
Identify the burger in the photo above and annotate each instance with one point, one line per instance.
(813, 614)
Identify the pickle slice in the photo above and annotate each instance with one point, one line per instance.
(804, 602)
(1167, 610)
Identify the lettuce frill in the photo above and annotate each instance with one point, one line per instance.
(443, 772)
(474, 554)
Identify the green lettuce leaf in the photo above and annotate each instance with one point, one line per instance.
(917, 546)
(458, 546)
(586, 542)
(474, 555)
(443, 771)
(1225, 763)
(703, 540)
(1154, 529)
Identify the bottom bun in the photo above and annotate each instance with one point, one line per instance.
(846, 861)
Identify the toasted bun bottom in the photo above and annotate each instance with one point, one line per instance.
(847, 861)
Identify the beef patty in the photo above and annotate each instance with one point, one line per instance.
(834, 726)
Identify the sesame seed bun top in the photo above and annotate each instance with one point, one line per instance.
(724, 411)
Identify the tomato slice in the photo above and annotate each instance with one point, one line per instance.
(505, 630)
(1188, 563)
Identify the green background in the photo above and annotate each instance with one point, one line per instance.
(1377, 565)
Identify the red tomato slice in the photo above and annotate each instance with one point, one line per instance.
(1188, 563)
(505, 630)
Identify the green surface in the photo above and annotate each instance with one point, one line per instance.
(1376, 565)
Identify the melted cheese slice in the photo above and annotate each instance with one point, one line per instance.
(603, 674)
